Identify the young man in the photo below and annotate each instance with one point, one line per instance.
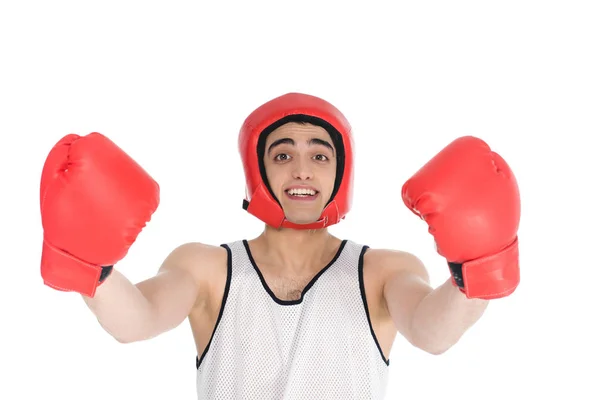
(295, 313)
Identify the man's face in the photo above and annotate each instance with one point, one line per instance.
(300, 163)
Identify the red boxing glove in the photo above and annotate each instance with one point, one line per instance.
(470, 199)
(94, 202)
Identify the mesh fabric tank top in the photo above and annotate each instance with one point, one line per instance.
(321, 346)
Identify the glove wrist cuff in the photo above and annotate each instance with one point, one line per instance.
(65, 272)
(490, 277)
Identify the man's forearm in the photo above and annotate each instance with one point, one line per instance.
(120, 307)
(443, 316)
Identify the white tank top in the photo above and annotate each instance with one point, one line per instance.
(319, 347)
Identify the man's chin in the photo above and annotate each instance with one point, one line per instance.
(302, 219)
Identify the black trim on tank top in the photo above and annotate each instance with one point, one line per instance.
(363, 294)
(225, 294)
(306, 288)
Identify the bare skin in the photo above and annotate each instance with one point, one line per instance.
(191, 281)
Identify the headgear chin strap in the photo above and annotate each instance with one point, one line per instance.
(260, 200)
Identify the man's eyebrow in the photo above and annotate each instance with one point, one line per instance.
(280, 141)
(313, 141)
(316, 141)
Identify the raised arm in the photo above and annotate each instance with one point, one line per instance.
(142, 311)
(432, 319)
(469, 198)
(94, 201)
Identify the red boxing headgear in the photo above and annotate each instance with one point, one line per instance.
(293, 107)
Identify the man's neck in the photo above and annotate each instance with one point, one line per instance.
(296, 251)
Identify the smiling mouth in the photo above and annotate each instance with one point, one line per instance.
(302, 194)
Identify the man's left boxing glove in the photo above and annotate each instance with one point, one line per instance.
(470, 199)
(94, 202)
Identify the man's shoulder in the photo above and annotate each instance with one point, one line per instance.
(199, 259)
(191, 251)
(391, 262)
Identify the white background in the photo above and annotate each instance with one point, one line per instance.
(171, 83)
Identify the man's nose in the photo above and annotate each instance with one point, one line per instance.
(302, 170)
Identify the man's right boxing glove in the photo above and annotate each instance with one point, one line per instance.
(94, 202)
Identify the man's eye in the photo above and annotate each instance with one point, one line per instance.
(321, 157)
(281, 157)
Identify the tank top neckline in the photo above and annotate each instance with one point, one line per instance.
(306, 288)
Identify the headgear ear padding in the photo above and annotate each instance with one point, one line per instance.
(295, 107)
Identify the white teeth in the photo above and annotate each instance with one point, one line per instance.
(302, 192)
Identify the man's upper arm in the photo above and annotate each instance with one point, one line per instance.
(405, 284)
(198, 262)
(181, 284)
